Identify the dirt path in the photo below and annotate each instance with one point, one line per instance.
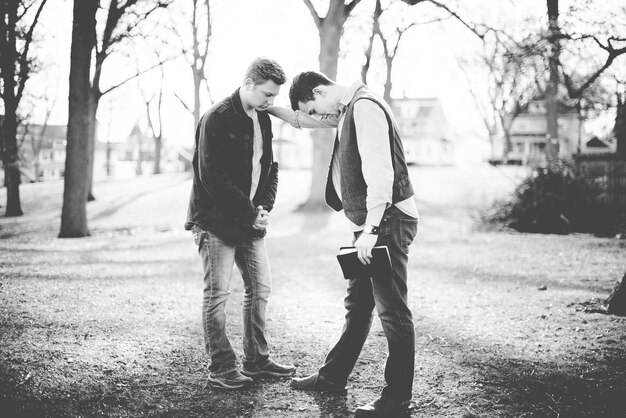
(110, 325)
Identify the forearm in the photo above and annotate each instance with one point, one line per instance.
(299, 119)
(285, 114)
(375, 214)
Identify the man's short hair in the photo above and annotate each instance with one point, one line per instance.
(262, 70)
(301, 89)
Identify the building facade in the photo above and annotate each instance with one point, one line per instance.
(529, 134)
(425, 131)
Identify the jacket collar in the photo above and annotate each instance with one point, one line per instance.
(237, 105)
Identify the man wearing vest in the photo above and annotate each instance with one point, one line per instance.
(368, 178)
(234, 187)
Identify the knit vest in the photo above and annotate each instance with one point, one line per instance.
(353, 187)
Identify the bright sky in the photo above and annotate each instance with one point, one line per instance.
(283, 30)
(244, 29)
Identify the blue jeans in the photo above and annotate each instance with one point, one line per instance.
(218, 259)
(389, 296)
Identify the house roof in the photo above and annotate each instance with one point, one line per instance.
(563, 107)
(596, 142)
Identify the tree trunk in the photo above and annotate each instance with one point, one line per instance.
(158, 145)
(139, 165)
(620, 125)
(10, 154)
(617, 301)
(552, 110)
(11, 164)
(506, 122)
(81, 105)
(378, 10)
(368, 59)
(330, 34)
(197, 81)
(109, 168)
(91, 142)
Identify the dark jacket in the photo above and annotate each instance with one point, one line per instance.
(353, 186)
(222, 171)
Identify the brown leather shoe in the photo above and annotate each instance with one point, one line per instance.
(384, 407)
(316, 382)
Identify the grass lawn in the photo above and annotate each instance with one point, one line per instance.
(109, 325)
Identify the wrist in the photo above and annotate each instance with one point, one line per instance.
(370, 229)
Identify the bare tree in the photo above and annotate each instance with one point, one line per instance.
(552, 110)
(124, 20)
(37, 140)
(330, 29)
(17, 26)
(197, 52)
(562, 73)
(74, 212)
(378, 11)
(154, 106)
(390, 36)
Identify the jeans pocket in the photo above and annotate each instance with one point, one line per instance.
(198, 235)
(408, 231)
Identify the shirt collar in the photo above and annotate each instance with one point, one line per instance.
(348, 96)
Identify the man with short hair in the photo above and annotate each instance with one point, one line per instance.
(368, 178)
(234, 187)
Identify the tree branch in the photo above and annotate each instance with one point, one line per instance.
(23, 57)
(183, 103)
(472, 28)
(139, 73)
(351, 6)
(209, 33)
(316, 17)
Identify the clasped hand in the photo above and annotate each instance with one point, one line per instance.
(262, 219)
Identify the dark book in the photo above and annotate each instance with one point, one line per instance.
(352, 268)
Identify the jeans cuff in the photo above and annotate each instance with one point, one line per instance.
(257, 364)
(223, 370)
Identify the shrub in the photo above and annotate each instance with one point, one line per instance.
(558, 202)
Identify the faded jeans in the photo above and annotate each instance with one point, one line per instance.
(389, 295)
(218, 259)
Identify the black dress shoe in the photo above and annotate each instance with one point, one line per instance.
(316, 382)
(383, 407)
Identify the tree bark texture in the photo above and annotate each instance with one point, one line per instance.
(91, 143)
(552, 108)
(10, 157)
(620, 125)
(158, 145)
(74, 213)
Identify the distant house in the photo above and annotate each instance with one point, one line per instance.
(43, 151)
(425, 131)
(42, 154)
(136, 155)
(529, 130)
